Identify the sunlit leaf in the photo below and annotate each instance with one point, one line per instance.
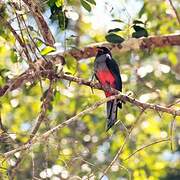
(14, 56)
(59, 3)
(47, 50)
(71, 64)
(172, 58)
(174, 89)
(92, 2)
(86, 5)
(39, 43)
(114, 38)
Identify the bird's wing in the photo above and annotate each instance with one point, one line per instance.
(113, 67)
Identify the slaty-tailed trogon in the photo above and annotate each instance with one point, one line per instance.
(108, 74)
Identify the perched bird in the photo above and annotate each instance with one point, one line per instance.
(107, 73)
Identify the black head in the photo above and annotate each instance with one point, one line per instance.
(103, 50)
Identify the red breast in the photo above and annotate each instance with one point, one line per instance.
(106, 78)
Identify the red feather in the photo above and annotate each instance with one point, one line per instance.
(106, 78)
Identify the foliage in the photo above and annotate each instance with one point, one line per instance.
(84, 149)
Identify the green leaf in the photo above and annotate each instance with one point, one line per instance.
(114, 38)
(47, 50)
(118, 20)
(39, 43)
(138, 28)
(172, 58)
(137, 22)
(142, 11)
(114, 30)
(58, 13)
(86, 5)
(59, 3)
(61, 19)
(3, 71)
(14, 57)
(71, 64)
(91, 1)
(140, 32)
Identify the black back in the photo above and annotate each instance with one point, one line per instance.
(113, 67)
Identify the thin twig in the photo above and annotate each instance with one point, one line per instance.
(175, 11)
(44, 108)
(148, 145)
(174, 103)
(1, 124)
(23, 40)
(18, 38)
(172, 133)
(44, 136)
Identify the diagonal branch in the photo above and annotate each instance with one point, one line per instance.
(44, 136)
(43, 26)
(145, 146)
(18, 38)
(175, 11)
(44, 107)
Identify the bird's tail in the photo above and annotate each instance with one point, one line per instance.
(111, 113)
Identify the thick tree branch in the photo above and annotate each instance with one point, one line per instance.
(131, 44)
(128, 45)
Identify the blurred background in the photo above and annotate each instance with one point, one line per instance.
(83, 149)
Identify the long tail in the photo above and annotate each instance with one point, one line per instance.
(111, 113)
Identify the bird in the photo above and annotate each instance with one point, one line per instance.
(107, 72)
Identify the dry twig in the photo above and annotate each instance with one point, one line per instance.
(175, 11)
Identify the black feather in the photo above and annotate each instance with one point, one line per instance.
(113, 67)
